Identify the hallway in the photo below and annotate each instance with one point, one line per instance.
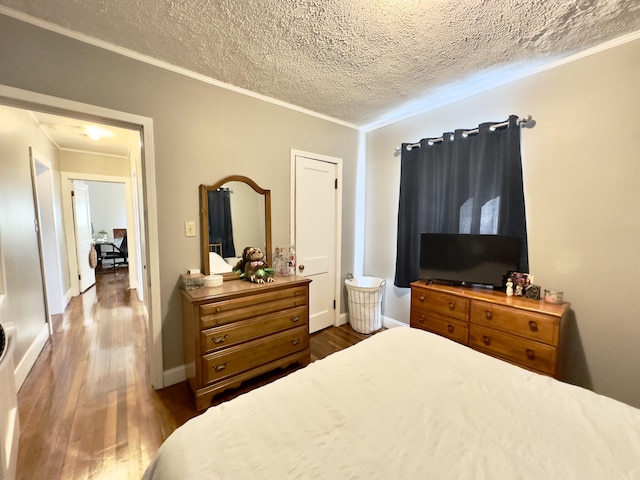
(87, 409)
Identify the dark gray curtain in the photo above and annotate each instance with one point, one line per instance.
(220, 225)
(469, 184)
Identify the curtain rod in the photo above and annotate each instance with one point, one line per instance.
(525, 122)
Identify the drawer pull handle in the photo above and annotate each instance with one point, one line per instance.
(531, 355)
(488, 314)
(220, 339)
(220, 367)
(450, 328)
(295, 318)
(452, 305)
(421, 319)
(295, 341)
(533, 326)
(422, 298)
(486, 340)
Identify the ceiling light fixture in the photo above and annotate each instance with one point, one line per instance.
(94, 133)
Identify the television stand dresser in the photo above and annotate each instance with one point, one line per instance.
(241, 329)
(518, 330)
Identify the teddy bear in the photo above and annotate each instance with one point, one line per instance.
(239, 267)
(254, 267)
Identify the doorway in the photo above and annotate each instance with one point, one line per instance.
(81, 212)
(111, 206)
(145, 189)
(109, 229)
(48, 235)
(316, 216)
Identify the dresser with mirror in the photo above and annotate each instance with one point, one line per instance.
(239, 330)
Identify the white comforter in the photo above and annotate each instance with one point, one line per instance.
(406, 404)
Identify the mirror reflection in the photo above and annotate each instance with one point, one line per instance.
(235, 213)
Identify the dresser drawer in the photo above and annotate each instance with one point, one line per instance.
(216, 338)
(446, 326)
(240, 358)
(443, 303)
(250, 306)
(533, 325)
(531, 355)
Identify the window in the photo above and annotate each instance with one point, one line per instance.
(466, 182)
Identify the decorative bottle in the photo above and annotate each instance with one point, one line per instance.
(292, 260)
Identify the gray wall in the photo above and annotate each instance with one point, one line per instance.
(202, 133)
(108, 208)
(581, 172)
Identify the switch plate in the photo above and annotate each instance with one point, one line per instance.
(189, 229)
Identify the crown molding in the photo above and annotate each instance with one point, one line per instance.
(439, 98)
(483, 83)
(52, 27)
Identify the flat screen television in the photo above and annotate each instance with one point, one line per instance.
(468, 259)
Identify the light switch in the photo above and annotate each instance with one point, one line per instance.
(189, 229)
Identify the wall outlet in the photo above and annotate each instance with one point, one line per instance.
(189, 229)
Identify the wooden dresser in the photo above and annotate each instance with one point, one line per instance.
(518, 330)
(240, 330)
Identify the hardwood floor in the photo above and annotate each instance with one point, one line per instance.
(87, 409)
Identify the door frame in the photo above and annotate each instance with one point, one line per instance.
(26, 100)
(338, 216)
(67, 208)
(56, 296)
(50, 268)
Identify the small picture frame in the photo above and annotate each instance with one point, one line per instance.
(532, 292)
(521, 282)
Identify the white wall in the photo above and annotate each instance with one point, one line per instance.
(108, 206)
(85, 162)
(248, 206)
(24, 301)
(581, 173)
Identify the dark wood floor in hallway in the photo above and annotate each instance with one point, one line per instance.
(87, 409)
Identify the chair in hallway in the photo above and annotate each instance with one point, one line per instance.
(119, 255)
(119, 233)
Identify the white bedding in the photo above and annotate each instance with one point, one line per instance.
(217, 264)
(406, 404)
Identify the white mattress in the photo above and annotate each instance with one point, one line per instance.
(406, 404)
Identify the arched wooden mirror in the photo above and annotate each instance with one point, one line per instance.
(234, 213)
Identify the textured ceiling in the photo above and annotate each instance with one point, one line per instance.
(352, 60)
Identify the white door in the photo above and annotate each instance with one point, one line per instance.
(41, 241)
(315, 236)
(82, 218)
(141, 277)
(50, 249)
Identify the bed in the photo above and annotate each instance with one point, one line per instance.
(218, 264)
(407, 404)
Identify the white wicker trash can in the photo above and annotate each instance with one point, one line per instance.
(364, 295)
